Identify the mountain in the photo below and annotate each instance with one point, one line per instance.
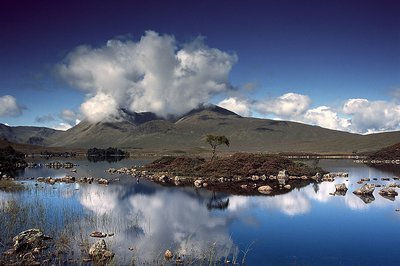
(27, 134)
(148, 132)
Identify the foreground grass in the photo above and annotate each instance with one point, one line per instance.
(10, 186)
(70, 228)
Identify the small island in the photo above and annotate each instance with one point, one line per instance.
(240, 173)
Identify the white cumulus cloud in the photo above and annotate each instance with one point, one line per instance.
(237, 105)
(372, 116)
(154, 74)
(100, 107)
(9, 106)
(325, 117)
(289, 105)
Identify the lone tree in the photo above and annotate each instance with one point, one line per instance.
(215, 141)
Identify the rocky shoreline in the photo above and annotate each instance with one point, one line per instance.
(250, 185)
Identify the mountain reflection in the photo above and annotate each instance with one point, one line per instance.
(150, 223)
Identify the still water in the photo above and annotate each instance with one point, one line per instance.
(304, 227)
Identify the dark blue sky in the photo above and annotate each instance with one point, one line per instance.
(331, 51)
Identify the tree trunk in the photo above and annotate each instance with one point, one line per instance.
(213, 152)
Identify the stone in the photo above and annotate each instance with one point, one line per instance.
(163, 178)
(205, 184)
(388, 192)
(282, 177)
(287, 187)
(87, 180)
(168, 254)
(328, 178)
(68, 179)
(102, 181)
(111, 170)
(265, 189)
(282, 173)
(198, 183)
(28, 240)
(97, 234)
(341, 187)
(99, 252)
(263, 177)
(367, 189)
(316, 177)
(255, 178)
(243, 186)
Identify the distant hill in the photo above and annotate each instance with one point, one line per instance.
(146, 131)
(27, 134)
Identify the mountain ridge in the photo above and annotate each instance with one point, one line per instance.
(147, 131)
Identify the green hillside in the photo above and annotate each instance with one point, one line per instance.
(150, 133)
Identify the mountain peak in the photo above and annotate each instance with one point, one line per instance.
(212, 108)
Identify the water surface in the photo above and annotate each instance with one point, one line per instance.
(307, 226)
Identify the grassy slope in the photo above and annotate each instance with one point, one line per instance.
(22, 134)
(245, 134)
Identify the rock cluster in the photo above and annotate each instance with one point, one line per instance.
(72, 179)
(66, 165)
(254, 182)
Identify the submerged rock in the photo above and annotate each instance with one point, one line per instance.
(367, 189)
